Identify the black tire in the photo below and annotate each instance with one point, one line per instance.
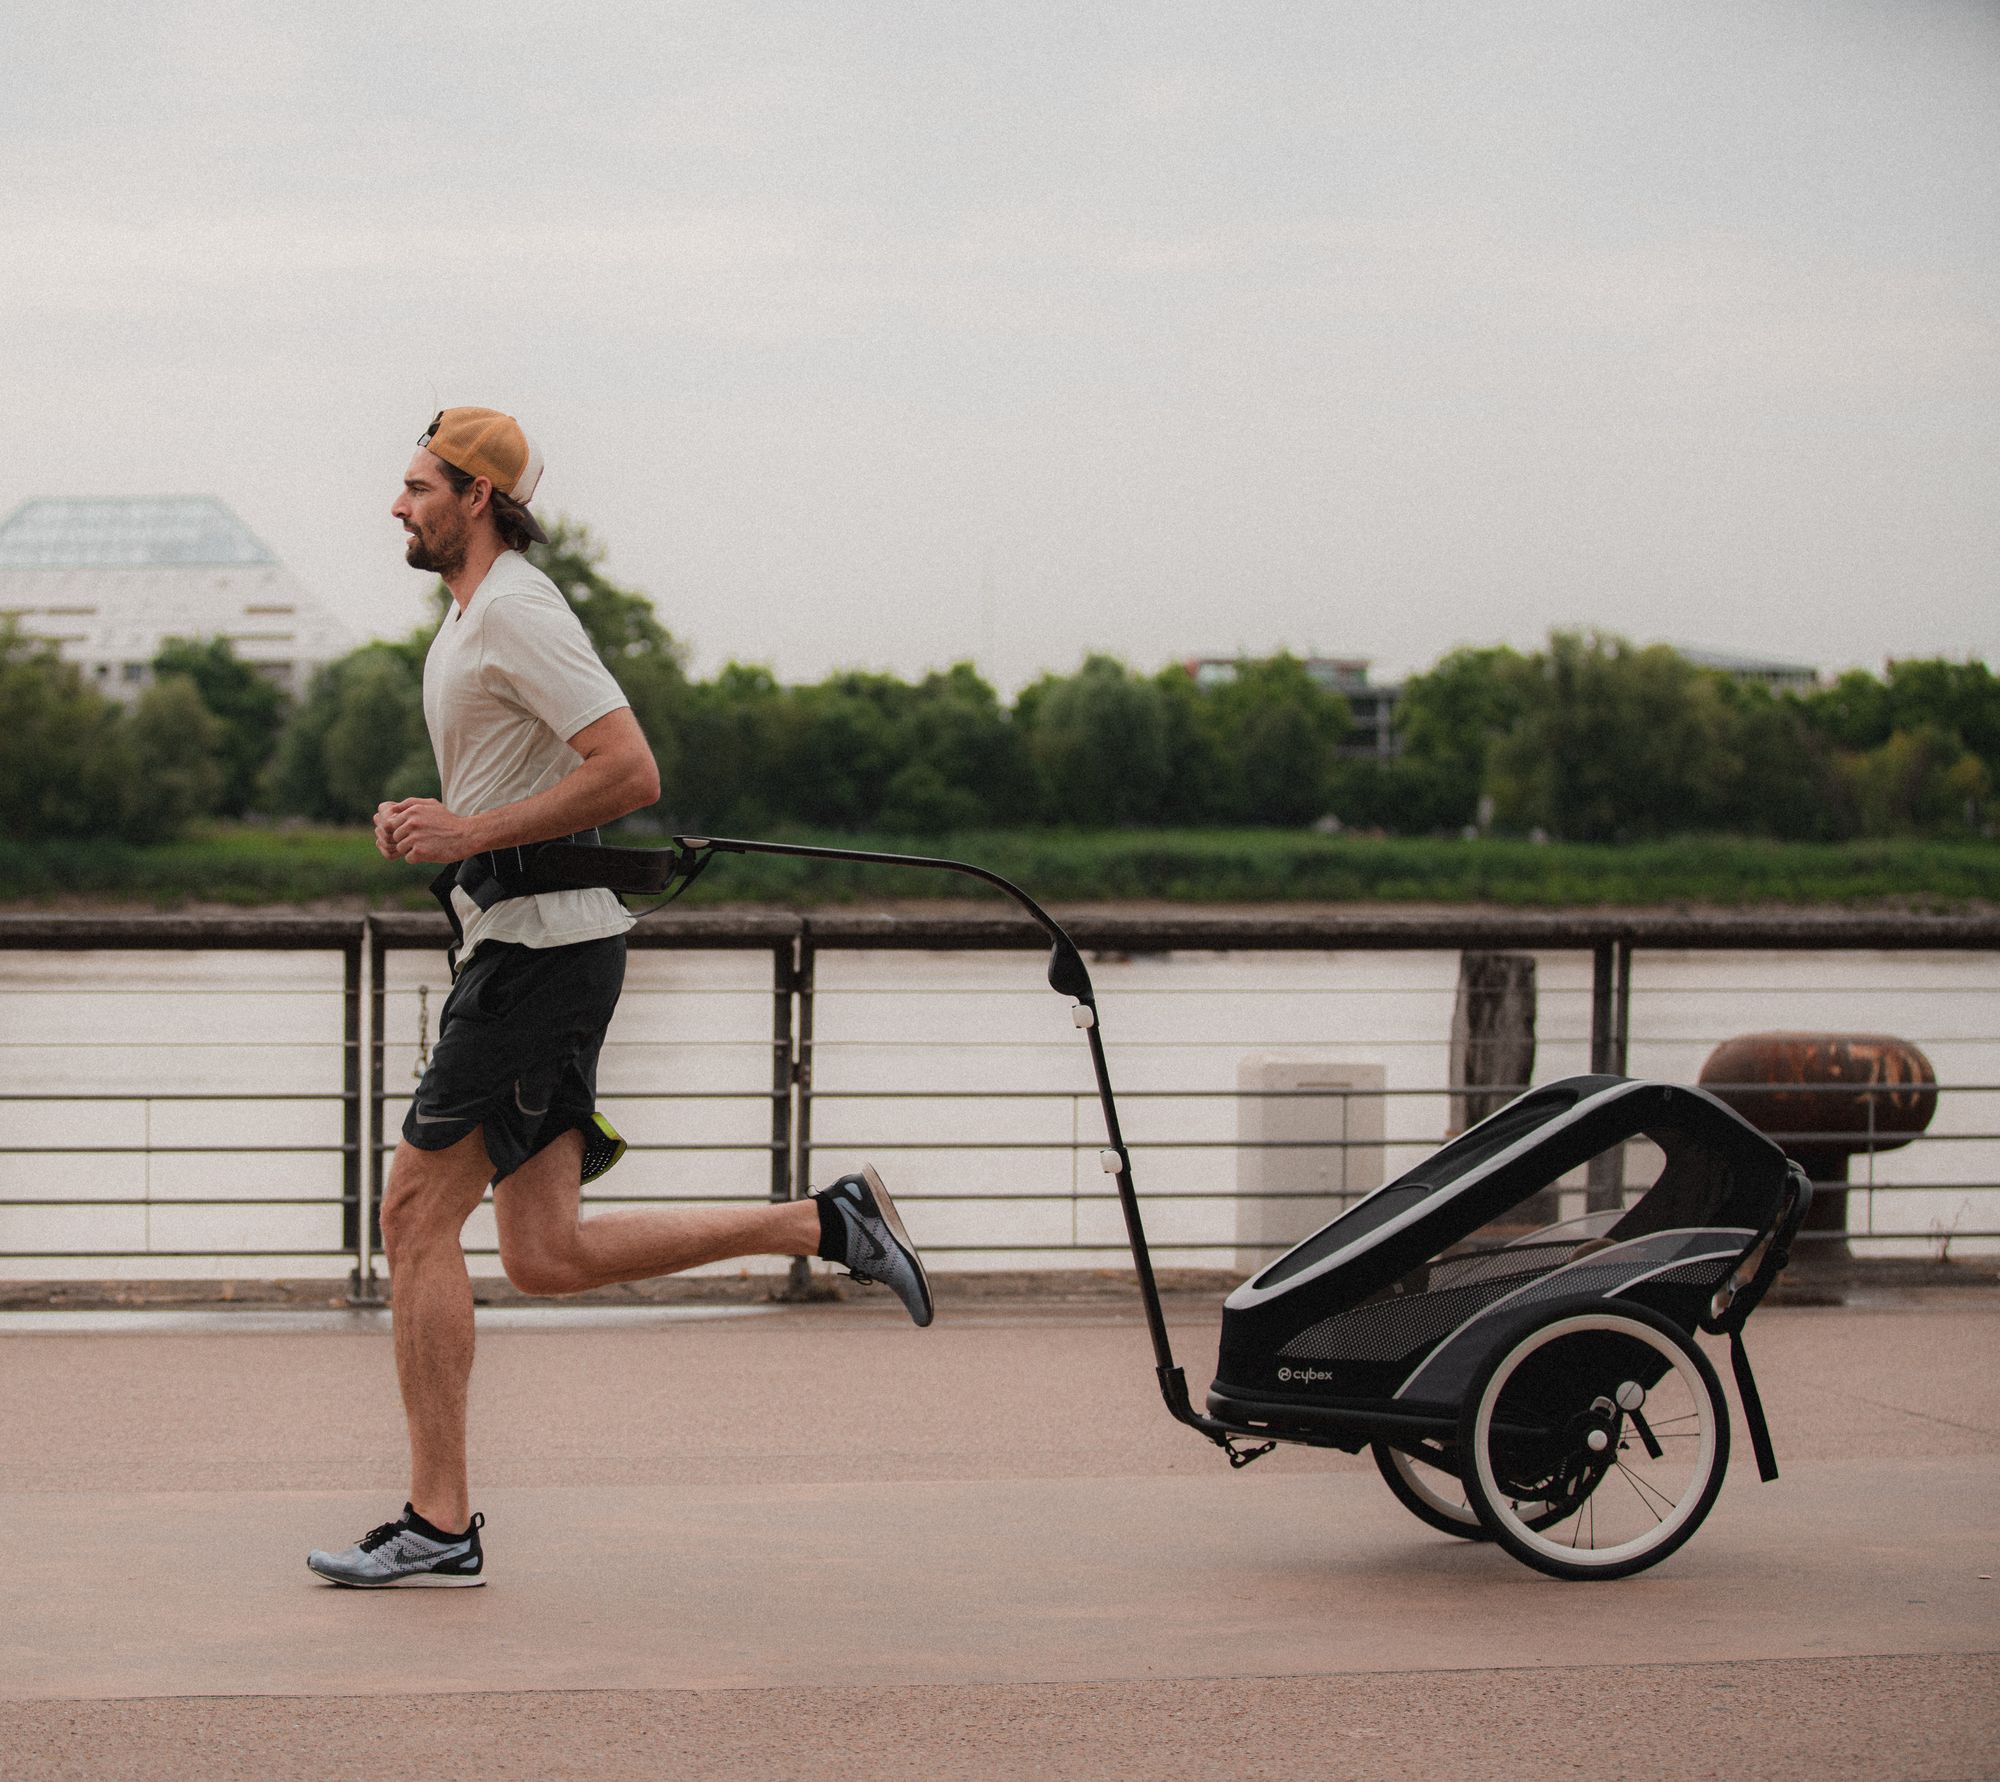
(1433, 1494)
(1436, 1495)
(1551, 1419)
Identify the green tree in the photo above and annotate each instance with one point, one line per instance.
(1449, 720)
(1279, 733)
(1618, 744)
(73, 763)
(250, 708)
(1861, 712)
(659, 692)
(1098, 740)
(1786, 779)
(60, 753)
(357, 737)
(963, 763)
(173, 753)
(729, 737)
(374, 732)
(845, 739)
(1854, 713)
(1921, 782)
(1199, 775)
(1959, 698)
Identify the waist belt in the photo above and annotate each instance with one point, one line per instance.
(579, 862)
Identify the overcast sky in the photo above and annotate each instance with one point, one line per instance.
(886, 334)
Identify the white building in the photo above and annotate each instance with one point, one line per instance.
(110, 580)
(1780, 677)
(1371, 709)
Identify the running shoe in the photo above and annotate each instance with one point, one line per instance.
(407, 1554)
(871, 1243)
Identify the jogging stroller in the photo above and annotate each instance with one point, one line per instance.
(1528, 1378)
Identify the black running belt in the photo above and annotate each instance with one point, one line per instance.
(578, 862)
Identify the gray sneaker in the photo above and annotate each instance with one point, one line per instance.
(407, 1554)
(875, 1246)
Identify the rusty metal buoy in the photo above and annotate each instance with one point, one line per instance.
(1826, 1098)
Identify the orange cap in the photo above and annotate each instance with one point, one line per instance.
(484, 442)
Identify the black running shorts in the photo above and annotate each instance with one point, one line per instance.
(517, 1047)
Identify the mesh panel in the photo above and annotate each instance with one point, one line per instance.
(602, 1147)
(1389, 1329)
(1595, 1277)
(1446, 1374)
(1513, 1263)
(1693, 1274)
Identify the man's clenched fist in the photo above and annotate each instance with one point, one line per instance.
(420, 829)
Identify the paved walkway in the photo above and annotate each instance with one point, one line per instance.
(817, 1542)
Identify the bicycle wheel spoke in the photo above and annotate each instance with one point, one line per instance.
(1647, 1493)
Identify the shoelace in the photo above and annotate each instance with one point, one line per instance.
(380, 1537)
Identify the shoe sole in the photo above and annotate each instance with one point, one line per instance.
(894, 1220)
(415, 1581)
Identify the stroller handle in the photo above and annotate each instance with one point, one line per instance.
(1068, 976)
(1067, 973)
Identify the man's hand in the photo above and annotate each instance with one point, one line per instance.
(422, 830)
(616, 776)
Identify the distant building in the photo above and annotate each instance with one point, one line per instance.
(1372, 708)
(110, 580)
(1780, 677)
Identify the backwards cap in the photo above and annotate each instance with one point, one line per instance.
(484, 442)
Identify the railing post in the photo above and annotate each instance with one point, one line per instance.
(800, 1283)
(1622, 1029)
(366, 1289)
(1609, 1005)
(1603, 1005)
(784, 990)
(353, 1215)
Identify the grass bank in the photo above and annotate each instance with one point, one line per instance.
(258, 865)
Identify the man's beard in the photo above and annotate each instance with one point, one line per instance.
(443, 556)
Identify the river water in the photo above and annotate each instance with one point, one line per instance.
(181, 1111)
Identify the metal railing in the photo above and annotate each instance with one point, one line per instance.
(44, 1062)
(996, 1146)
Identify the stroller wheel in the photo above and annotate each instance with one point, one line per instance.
(1432, 1491)
(1607, 1419)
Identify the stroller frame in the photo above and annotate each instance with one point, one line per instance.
(1498, 1384)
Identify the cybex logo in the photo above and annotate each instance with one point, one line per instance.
(1302, 1376)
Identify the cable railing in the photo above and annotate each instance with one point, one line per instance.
(219, 1096)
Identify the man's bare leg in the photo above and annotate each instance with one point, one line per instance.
(547, 1247)
(430, 1196)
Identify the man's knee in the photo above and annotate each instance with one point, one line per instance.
(430, 1195)
(409, 1220)
(538, 1267)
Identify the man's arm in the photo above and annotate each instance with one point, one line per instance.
(616, 777)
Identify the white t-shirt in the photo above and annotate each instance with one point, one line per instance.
(510, 678)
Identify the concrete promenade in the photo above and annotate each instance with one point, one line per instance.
(815, 1542)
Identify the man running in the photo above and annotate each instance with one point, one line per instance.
(533, 741)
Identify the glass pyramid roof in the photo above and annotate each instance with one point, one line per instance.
(126, 532)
